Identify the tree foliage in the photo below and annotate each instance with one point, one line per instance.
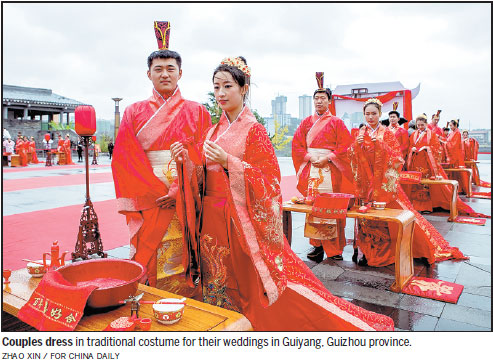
(279, 139)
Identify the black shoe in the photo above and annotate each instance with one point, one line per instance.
(355, 256)
(363, 261)
(316, 254)
(337, 257)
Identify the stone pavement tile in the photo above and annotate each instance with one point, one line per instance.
(467, 315)
(412, 321)
(379, 309)
(451, 325)
(471, 229)
(444, 270)
(327, 271)
(483, 263)
(478, 290)
(366, 280)
(374, 296)
(421, 305)
(475, 301)
(472, 276)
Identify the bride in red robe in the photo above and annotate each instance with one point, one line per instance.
(239, 250)
(471, 148)
(32, 149)
(376, 161)
(68, 151)
(424, 153)
(455, 156)
(21, 148)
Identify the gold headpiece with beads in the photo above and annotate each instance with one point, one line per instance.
(374, 100)
(422, 116)
(394, 106)
(237, 62)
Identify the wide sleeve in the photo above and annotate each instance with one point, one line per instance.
(136, 185)
(388, 165)
(299, 147)
(256, 193)
(344, 139)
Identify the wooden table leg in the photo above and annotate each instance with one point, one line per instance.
(404, 264)
(453, 203)
(469, 191)
(287, 225)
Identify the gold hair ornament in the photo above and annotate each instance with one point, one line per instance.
(237, 62)
(374, 100)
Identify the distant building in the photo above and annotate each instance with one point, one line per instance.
(29, 110)
(278, 113)
(305, 106)
(347, 106)
(482, 135)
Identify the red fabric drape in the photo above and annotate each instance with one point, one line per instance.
(408, 112)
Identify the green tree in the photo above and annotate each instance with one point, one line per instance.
(279, 139)
(213, 108)
(259, 118)
(58, 126)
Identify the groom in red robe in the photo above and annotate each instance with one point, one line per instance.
(319, 152)
(144, 174)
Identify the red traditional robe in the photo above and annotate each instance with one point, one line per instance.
(329, 133)
(21, 148)
(32, 149)
(436, 129)
(425, 161)
(68, 152)
(246, 263)
(402, 137)
(376, 166)
(147, 126)
(455, 159)
(471, 148)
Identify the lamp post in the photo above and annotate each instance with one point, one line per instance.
(117, 115)
(85, 126)
(94, 159)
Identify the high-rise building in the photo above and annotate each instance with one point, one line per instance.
(305, 106)
(279, 110)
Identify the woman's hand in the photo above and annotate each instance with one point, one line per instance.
(359, 139)
(215, 153)
(176, 149)
(413, 150)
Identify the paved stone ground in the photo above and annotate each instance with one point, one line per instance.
(364, 286)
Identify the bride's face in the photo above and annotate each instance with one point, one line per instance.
(372, 115)
(229, 95)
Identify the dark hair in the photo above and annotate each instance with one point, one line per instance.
(385, 122)
(446, 129)
(361, 125)
(327, 91)
(238, 75)
(395, 113)
(164, 54)
(454, 122)
(377, 105)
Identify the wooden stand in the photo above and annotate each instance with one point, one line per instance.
(456, 171)
(15, 160)
(404, 265)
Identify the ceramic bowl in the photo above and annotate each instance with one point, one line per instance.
(169, 313)
(37, 270)
(116, 279)
(379, 205)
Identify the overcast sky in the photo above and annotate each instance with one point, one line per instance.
(93, 52)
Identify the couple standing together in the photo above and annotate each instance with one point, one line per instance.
(203, 205)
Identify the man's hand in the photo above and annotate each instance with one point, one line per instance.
(321, 162)
(166, 202)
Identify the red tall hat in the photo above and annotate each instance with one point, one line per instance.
(162, 29)
(395, 105)
(320, 80)
(438, 113)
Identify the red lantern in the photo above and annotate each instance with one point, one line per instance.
(47, 137)
(85, 120)
(94, 138)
